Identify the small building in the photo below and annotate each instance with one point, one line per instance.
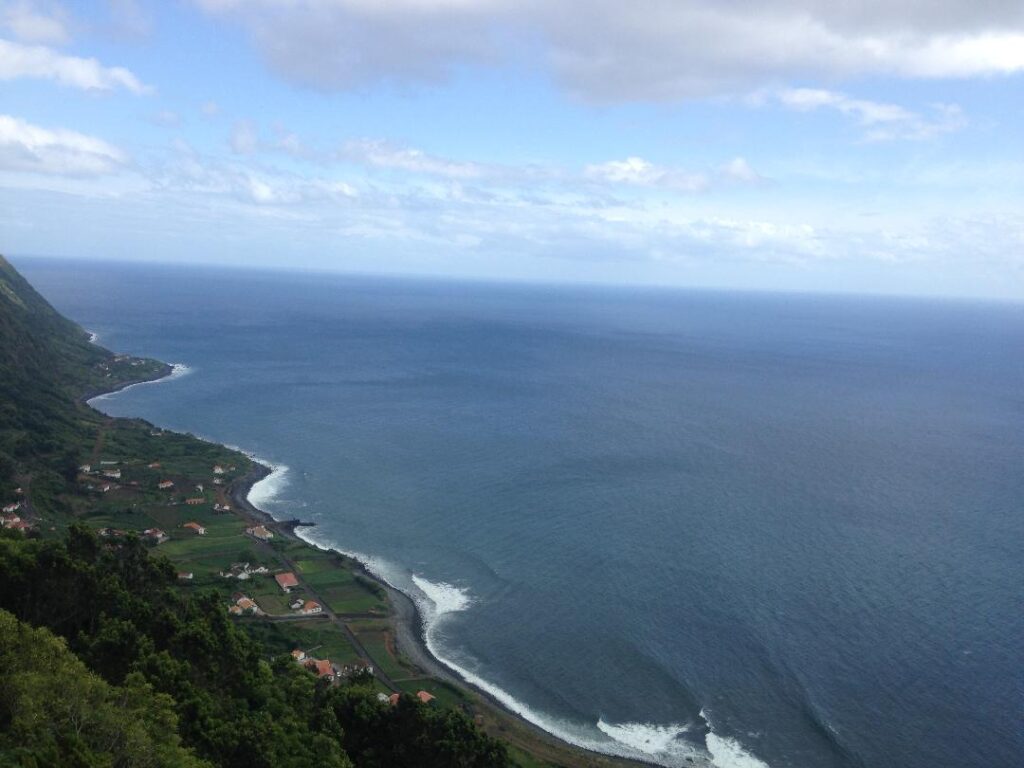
(199, 488)
(320, 667)
(244, 604)
(193, 526)
(185, 575)
(310, 607)
(425, 697)
(218, 481)
(113, 474)
(286, 581)
(297, 604)
(85, 469)
(218, 469)
(299, 655)
(393, 699)
(156, 535)
(383, 698)
(259, 532)
(13, 507)
(154, 465)
(195, 501)
(164, 485)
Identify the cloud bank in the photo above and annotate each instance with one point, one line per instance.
(647, 50)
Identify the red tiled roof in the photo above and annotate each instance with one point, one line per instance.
(286, 580)
(322, 667)
(425, 697)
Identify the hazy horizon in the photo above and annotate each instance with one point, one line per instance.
(868, 148)
(539, 282)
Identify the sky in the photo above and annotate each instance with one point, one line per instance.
(821, 145)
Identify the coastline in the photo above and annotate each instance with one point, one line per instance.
(166, 372)
(410, 641)
(408, 623)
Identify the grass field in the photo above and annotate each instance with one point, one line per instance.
(377, 645)
(447, 695)
(317, 638)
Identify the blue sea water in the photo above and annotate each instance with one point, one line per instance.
(745, 529)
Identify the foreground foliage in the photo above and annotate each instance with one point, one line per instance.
(180, 668)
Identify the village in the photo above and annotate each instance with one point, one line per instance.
(311, 604)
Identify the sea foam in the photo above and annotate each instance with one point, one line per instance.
(727, 752)
(443, 598)
(265, 492)
(656, 741)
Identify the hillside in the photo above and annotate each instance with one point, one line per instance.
(110, 656)
(47, 363)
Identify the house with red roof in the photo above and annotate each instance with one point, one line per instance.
(321, 667)
(286, 581)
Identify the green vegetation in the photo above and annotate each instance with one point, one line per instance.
(107, 658)
(57, 712)
(177, 660)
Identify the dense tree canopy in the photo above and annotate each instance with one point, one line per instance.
(195, 674)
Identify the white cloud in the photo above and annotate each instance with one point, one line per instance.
(383, 154)
(27, 147)
(881, 121)
(640, 172)
(738, 169)
(36, 61)
(30, 23)
(191, 174)
(636, 171)
(610, 51)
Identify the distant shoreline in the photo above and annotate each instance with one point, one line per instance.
(164, 373)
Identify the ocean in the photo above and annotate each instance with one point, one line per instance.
(741, 529)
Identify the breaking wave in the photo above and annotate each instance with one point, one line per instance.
(658, 742)
(266, 492)
(727, 752)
